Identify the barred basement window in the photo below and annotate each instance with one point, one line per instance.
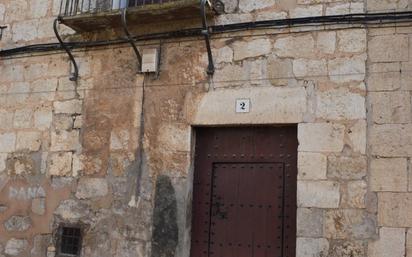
(70, 241)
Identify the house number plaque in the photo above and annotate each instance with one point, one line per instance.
(242, 105)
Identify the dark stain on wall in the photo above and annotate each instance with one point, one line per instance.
(165, 230)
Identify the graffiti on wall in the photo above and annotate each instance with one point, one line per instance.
(26, 193)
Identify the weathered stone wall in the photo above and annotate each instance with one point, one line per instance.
(69, 152)
(31, 21)
(390, 134)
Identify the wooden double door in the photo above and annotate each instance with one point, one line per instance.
(244, 194)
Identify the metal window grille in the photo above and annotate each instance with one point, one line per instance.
(70, 241)
(76, 7)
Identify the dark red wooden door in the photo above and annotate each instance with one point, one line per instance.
(244, 201)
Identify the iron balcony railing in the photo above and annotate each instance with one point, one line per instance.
(76, 7)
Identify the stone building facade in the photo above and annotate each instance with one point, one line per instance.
(70, 152)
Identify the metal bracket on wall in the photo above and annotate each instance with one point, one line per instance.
(75, 75)
(205, 32)
(1, 31)
(130, 39)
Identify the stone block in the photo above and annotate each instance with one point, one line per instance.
(384, 76)
(302, 46)
(349, 224)
(354, 194)
(35, 71)
(223, 55)
(343, 248)
(15, 247)
(28, 140)
(11, 73)
(23, 118)
(72, 210)
(306, 11)
(340, 105)
(63, 122)
(271, 15)
(60, 164)
(406, 72)
(347, 167)
(257, 69)
(320, 137)
(43, 90)
(388, 48)
(250, 6)
(279, 71)
(251, 49)
(389, 174)
(77, 165)
(24, 30)
(311, 166)
(60, 67)
(17, 223)
(309, 67)
(24, 164)
(40, 244)
(273, 105)
(7, 142)
(357, 136)
(233, 17)
(326, 42)
(391, 243)
(14, 10)
(66, 89)
(62, 140)
(38, 9)
(310, 222)
(357, 7)
(43, 118)
(394, 209)
(92, 188)
(85, 64)
(18, 93)
(318, 194)
(391, 140)
(390, 107)
(379, 5)
(310, 247)
(232, 72)
(78, 122)
(348, 69)
(338, 9)
(68, 107)
(6, 119)
(44, 30)
(352, 40)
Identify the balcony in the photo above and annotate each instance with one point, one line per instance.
(93, 15)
